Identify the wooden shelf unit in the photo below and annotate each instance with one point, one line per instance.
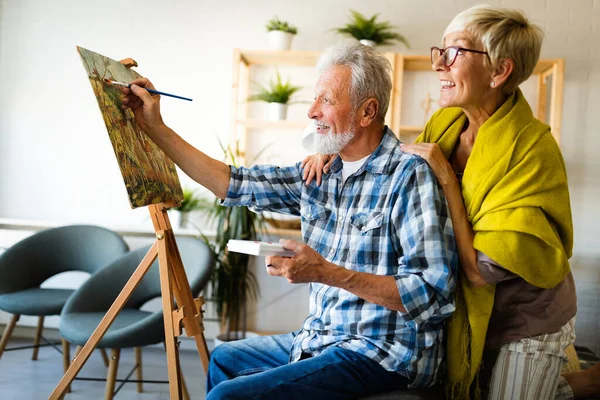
(549, 95)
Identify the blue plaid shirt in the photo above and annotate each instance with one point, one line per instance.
(388, 218)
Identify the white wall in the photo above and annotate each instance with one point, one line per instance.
(56, 163)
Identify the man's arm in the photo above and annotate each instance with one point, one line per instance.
(210, 173)
(310, 266)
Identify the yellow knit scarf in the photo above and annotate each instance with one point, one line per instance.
(516, 196)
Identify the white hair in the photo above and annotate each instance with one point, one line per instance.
(370, 73)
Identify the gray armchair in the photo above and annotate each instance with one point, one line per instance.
(27, 264)
(132, 327)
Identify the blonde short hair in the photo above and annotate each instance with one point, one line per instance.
(504, 33)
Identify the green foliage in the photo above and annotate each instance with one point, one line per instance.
(190, 201)
(275, 92)
(233, 283)
(361, 27)
(277, 25)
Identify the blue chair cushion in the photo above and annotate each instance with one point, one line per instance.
(124, 332)
(35, 301)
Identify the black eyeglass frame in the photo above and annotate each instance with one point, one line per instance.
(442, 53)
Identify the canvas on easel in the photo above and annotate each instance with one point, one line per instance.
(156, 185)
(150, 176)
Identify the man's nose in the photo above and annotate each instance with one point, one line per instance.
(313, 111)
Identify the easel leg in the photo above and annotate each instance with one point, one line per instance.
(184, 296)
(186, 394)
(105, 323)
(168, 308)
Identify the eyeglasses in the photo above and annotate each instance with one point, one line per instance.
(449, 54)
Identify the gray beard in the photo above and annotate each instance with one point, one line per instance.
(332, 143)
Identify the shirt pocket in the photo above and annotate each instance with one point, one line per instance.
(316, 229)
(366, 222)
(366, 240)
(313, 212)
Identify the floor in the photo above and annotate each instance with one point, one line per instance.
(24, 379)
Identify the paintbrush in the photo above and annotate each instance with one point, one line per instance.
(128, 85)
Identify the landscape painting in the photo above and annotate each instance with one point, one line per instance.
(150, 176)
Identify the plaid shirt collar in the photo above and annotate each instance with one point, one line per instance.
(380, 161)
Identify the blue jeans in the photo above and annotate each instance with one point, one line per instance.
(259, 368)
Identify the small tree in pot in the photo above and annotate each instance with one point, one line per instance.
(280, 34)
(278, 94)
(189, 203)
(370, 32)
(233, 283)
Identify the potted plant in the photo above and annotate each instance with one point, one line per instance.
(189, 203)
(233, 283)
(277, 94)
(280, 34)
(370, 32)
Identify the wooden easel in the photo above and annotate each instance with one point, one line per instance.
(173, 282)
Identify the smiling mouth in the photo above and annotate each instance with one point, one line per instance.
(446, 84)
(321, 128)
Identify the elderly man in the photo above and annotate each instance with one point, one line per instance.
(379, 252)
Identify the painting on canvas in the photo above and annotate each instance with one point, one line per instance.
(150, 176)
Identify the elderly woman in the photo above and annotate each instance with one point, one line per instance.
(506, 186)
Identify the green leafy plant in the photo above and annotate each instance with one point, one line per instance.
(190, 201)
(361, 27)
(275, 92)
(275, 24)
(233, 283)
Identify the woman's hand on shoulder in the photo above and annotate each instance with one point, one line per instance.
(436, 160)
(314, 167)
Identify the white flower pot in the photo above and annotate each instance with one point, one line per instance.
(368, 42)
(279, 40)
(277, 111)
(184, 218)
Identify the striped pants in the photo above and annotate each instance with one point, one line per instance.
(529, 369)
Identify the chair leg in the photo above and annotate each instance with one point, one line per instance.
(8, 332)
(66, 349)
(111, 379)
(104, 357)
(38, 335)
(138, 372)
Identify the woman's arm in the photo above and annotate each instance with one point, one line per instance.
(463, 231)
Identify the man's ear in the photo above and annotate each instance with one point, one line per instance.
(368, 112)
(502, 72)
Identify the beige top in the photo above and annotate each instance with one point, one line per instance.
(522, 310)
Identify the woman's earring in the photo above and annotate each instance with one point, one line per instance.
(493, 84)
